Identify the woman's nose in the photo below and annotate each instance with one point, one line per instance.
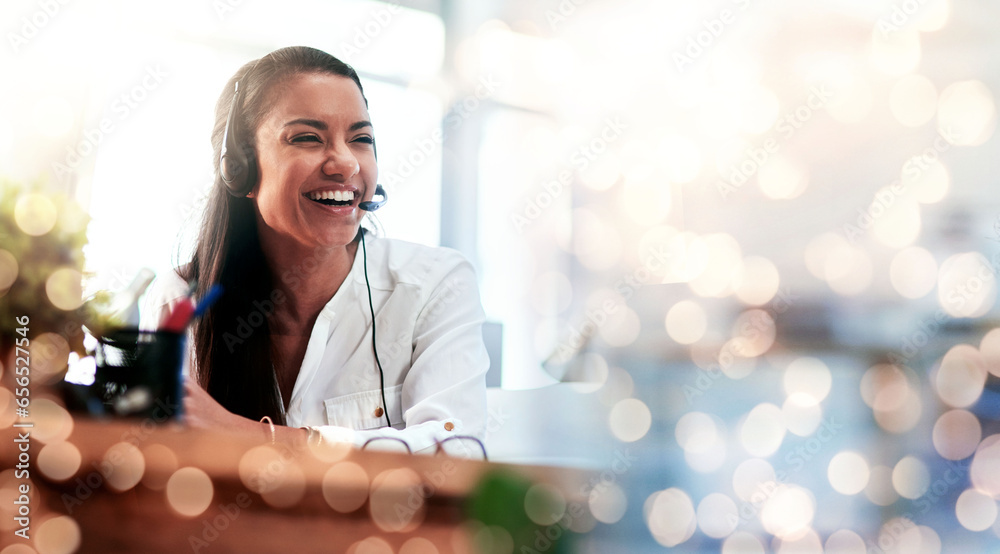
(340, 162)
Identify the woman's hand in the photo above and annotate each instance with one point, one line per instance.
(201, 411)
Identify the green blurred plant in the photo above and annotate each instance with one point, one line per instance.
(500, 504)
(41, 234)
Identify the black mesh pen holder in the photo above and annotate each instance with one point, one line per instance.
(140, 374)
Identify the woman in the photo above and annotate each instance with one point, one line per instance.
(292, 340)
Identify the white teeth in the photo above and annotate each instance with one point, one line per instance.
(338, 195)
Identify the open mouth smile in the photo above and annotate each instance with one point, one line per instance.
(332, 197)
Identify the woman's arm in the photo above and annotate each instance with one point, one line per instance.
(444, 391)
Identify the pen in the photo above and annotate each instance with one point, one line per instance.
(186, 310)
(206, 302)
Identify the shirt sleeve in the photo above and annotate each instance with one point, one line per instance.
(164, 293)
(444, 392)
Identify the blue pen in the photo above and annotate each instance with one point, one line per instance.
(206, 301)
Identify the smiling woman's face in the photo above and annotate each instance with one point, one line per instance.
(315, 150)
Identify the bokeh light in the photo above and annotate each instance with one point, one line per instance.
(966, 113)
(544, 504)
(671, 517)
(64, 288)
(848, 271)
(807, 542)
(754, 332)
(879, 489)
(418, 545)
(961, 376)
(975, 511)
(709, 459)
(733, 362)
(760, 281)
(370, 545)
(161, 462)
(49, 356)
(8, 270)
(984, 471)
(58, 535)
(345, 487)
(927, 181)
(848, 473)
(723, 270)
(752, 478)
(696, 432)
(788, 513)
(808, 376)
(821, 249)
(59, 460)
(911, 478)
(845, 541)
(742, 542)
(966, 285)
(763, 430)
(390, 490)
(35, 214)
(52, 423)
(608, 504)
(802, 414)
(717, 515)
(189, 491)
(956, 434)
(125, 466)
(621, 328)
(913, 272)
(630, 420)
(893, 394)
(990, 349)
(686, 322)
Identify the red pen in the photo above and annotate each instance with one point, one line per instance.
(179, 316)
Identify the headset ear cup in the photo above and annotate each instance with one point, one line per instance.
(239, 170)
(233, 171)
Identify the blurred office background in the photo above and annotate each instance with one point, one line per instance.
(756, 240)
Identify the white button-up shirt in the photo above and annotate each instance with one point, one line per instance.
(428, 326)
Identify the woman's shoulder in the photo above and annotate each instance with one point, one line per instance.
(164, 292)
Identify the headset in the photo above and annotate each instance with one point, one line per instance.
(238, 171)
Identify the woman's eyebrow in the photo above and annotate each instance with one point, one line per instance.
(322, 126)
(310, 122)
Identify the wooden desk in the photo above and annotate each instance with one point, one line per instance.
(140, 487)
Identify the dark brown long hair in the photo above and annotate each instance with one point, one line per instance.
(232, 340)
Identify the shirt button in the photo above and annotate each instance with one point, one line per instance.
(379, 411)
(449, 426)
